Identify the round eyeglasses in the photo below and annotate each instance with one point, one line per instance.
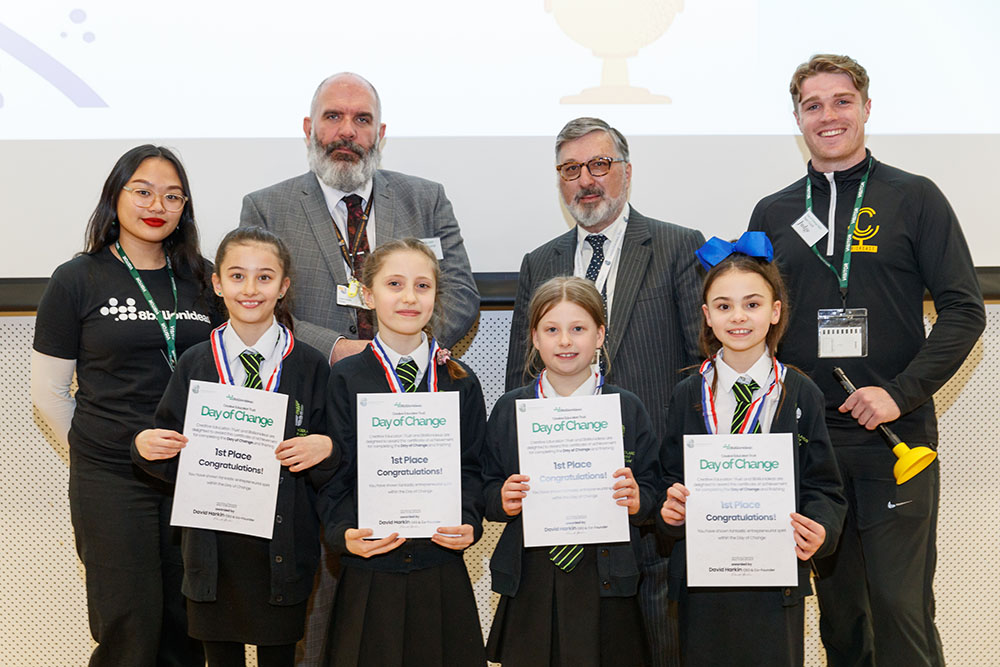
(144, 198)
(598, 166)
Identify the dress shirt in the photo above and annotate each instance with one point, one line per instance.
(338, 211)
(762, 372)
(268, 346)
(419, 355)
(585, 389)
(615, 232)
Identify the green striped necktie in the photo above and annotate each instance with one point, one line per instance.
(566, 557)
(407, 372)
(744, 399)
(251, 364)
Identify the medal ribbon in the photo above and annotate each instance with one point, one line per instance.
(222, 359)
(845, 270)
(541, 394)
(168, 326)
(390, 373)
(708, 400)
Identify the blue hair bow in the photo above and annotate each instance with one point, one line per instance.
(754, 244)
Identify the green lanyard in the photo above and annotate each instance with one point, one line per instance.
(169, 331)
(845, 270)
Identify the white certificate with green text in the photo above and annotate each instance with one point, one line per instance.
(409, 463)
(227, 475)
(737, 527)
(571, 447)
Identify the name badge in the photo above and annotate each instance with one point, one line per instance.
(809, 228)
(843, 332)
(434, 243)
(350, 295)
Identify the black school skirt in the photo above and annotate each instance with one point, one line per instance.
(241, 611)
(421, 618)
(560, 618)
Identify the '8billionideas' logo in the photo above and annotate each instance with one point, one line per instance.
(127, 311)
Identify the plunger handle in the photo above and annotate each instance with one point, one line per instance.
(891, 438)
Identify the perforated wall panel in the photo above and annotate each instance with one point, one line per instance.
(44, 619)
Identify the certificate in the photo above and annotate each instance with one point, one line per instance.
(409, 463)
(570, 448)
(227, 475)
(738, 529)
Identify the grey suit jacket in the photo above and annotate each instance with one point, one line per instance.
(404, 206)
(656, 313)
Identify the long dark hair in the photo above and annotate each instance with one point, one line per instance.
(250, 235)
(181, 246)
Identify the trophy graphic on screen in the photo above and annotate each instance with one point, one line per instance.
(614, 32)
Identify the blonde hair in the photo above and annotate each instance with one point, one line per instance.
(550, 294)
(375, 261)
(831, 63)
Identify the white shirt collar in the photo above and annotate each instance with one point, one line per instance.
(585, 389)
(419, 355)
(334, 196)
(611, 231)
(760, 372)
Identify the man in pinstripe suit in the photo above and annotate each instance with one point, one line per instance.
(646, 270)
(310, 213)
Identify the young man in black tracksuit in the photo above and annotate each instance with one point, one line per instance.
(875, 591)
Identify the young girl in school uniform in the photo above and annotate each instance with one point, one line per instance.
(402, 601)
(573, 605)
(744, 317)
(243, 589)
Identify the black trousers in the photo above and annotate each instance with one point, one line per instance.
(133, 562)
(875, 592)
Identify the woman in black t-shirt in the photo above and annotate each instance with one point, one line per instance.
(119, 314)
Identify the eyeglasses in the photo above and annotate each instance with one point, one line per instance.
(144, 198)
(599, 166)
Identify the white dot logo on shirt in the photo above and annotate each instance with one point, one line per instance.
(125, 311)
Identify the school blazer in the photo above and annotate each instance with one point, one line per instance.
(294, 545)
(819, 491)
(617, 563)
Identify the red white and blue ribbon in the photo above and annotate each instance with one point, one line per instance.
(390, 372)
(598, 389)
(222, 359)
(749, 424)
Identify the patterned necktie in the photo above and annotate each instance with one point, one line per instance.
(566, 557)
(251, 364)
(596, 242)
(744, 398)
(407, 372)
(355, 214)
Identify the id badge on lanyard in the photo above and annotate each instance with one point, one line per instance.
(840, 332)
(350, 294)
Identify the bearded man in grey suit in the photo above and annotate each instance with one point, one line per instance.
(311, 214)
(647, 272)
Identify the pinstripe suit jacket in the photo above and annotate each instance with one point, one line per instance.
(404, 206)
(655, 317)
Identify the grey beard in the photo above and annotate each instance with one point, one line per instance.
(342, 175)
(593, 216)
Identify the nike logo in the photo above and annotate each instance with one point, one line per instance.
(891, 505)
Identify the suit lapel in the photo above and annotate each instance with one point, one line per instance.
(385, 218)
(318, 215)
(564, 252)
(632, 265)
